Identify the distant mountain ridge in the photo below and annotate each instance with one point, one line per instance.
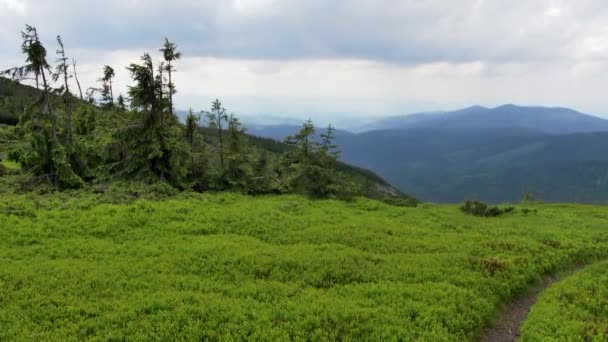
(492, 154)
(551, 120)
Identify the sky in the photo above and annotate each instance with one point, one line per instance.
(341, 61)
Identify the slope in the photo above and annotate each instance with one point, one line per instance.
(15, 96)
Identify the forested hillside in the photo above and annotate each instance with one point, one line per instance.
(497, 166)
(495, 156)
(71, 141)
(14, 98)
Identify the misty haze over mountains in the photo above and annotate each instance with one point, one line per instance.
(492, 154)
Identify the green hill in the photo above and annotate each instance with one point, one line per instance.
(232, 267)
(14, 97)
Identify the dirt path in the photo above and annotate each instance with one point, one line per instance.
(506, 328)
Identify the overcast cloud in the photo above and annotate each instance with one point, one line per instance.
(340, 59)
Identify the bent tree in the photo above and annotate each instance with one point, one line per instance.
(45, 155)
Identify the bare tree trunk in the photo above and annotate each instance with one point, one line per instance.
(47, 107)
(76, 77)
(68, 103)
(111, 94)
(67, 95)
(219, 131)
(160, 95)
(170, 90)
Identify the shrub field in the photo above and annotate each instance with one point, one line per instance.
(230, 267)
(575, 309)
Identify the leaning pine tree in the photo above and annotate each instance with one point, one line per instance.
(45, 155)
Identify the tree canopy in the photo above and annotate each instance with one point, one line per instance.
(71, 142)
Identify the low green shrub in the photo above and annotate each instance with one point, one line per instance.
(477, 208)
(527, 211)
(75, 265)
(575, 309)
(401, 201)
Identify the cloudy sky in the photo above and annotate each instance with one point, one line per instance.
(340, 60)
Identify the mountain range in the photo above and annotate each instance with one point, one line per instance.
(491, 154)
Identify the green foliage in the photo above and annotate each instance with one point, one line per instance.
(69, 143)
(46, 155)
(14, 97)
(574, 309)
(216, 119)
(238, 172)
(400, 201)
(107, 94)
(170, 55)
(153, 138)
(477, 208)
(310, 166)
(232, 267)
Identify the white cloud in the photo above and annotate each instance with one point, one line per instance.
(15, 6)
(357, 57)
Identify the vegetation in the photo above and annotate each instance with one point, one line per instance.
(70, 143)
(121, 222)
(228, 266)
(574, 309)
(478, 208)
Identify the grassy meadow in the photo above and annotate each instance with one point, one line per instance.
(575, 309)
(231, 267)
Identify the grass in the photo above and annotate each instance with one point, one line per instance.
(231, 267)
(575, 309)
(11, 165)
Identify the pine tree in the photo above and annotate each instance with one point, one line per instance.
(327, 155)
(198, 164)
(121, 102)
(45, 156)
(107, 93)
(299, 161)
(192, 122)
(170, 55)
(143, 94)
(217, 117)
(238, 171)
(155, 146)
(311, 165)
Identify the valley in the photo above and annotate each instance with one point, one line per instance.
(495, 155)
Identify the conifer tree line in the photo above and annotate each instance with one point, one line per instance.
(72, 140)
